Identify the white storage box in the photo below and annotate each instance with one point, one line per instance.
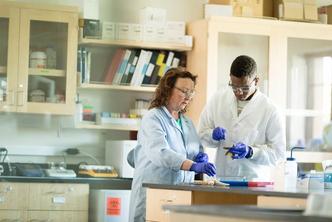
(152, 16)
(136, 32)
(109, 205)
(108, 30)
(117, 121)
(217, 10)
(116, 152)
(175, 28)
(149, 33)
(122, 31)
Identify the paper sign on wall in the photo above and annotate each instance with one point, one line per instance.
(113, 206)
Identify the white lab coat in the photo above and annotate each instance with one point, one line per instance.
(259, 125)
(162, 147)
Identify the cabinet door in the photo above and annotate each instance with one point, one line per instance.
(309, 91)
(58, 196)
(9, 27)
(12, 215)
(156, 198)
(13, 196)
(57, 216)
(47, 62)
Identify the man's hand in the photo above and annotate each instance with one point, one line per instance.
(240, 151)
(219, 133)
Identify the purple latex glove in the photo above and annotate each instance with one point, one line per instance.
(219, 133)
(201, 158)
(207, 168)
(240, 151)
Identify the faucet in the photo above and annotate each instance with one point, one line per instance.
(4, 153)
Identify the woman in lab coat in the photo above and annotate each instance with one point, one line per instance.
(167, 141)
(243, 122)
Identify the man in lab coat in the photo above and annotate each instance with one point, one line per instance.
(244, 125)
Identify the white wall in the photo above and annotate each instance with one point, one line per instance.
(41, 138)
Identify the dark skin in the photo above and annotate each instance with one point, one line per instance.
(244, 83)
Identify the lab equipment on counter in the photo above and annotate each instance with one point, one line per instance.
(29, 170)
(116, 152)
(291, 170)
(247, 183)
(327, 166)
(60, 172)
(97, 171)
(109, 205)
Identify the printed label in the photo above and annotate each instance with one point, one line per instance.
(113, 206)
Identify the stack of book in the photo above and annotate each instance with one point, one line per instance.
(138, 67)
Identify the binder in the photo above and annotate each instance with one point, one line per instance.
(129, 64)
(121, 68)
(151, 66)
(113, 67)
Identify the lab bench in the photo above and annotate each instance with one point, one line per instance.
(51, 199)
(94, 183)
(190, 194)
(231, 213)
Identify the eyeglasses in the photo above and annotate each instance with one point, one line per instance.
(186, 93)
(244, 89)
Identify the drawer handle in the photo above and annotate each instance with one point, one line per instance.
(170, 200)
(7, 189)
(56, 193)
(37, 220)
(10, 220)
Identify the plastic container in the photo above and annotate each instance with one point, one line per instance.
(51, 58)
(38, 59)
(291, 171)
(327, 166)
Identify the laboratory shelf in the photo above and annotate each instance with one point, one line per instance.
(108, 127)
(310, 156)
(135, 44)
(47, 72)
(117, 87)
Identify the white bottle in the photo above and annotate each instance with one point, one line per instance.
(290, 173)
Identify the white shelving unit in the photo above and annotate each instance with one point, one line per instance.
(47, 72)
(135, 44)
(117, 87)
(107, 127)
(132, 89)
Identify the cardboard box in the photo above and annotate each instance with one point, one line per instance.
(289, 9)
(256, 8)
(217, 10)
(310, 12)
(328, 10)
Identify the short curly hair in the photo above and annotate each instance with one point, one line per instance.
(166, 84)
(243, 66)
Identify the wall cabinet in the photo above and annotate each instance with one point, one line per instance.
(294, 65)
(38, 58)
(43, 202)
